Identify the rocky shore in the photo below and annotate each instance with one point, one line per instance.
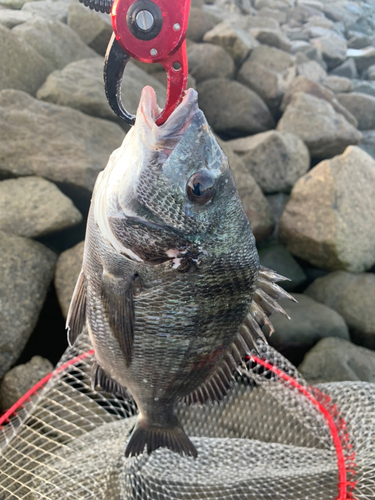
(288, 87)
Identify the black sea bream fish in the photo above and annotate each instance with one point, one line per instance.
(170, 285)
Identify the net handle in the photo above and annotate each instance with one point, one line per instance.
(6, 416)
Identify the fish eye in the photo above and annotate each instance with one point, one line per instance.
(200, 188)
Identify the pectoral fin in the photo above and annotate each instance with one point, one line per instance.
(76, 318)
(118, 304)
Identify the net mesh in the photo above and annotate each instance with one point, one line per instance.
(272, 437)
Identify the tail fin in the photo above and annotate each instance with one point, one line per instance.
(155, 437)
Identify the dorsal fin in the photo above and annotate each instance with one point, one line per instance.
(76, 318)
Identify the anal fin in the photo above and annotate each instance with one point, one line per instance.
(107, 383)
(76, 318)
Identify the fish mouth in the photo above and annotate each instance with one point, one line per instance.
(169, 133)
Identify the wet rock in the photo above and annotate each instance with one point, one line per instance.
(361, 106)
(312, 71)
(11, 18)
(352, 296)
(199, 23)
(363, 58)
(363, 87)
(67, 270)
(338, 84)
(328, 220)
(55, 142)
(276, 160)
(53, 11)
(235, 41)
(233, 109)
(278, 258)
(34, 207)
(310, 322)
(347, 69)
(303, 84)
(336, 360)
(255, 204)
(27, 269)
(273, 38)
(268, 72)
(325, 132)
(22, 67)
(207, 60)
(80, 85)
(332, 48)
(55, 41)
(94, 28)
(21, 378)
(368, 142)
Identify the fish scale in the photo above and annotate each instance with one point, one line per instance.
(169, 273)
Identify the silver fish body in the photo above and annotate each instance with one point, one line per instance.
(169, 271)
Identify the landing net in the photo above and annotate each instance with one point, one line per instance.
(272, 437)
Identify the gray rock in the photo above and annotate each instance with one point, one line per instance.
(371, 73)
(34, 207)
(21, 378)
(268, 72)
(273, 38)
(321, 21)
(338, 84)
(363, 87)
(277, 203)
(358, 40)
(94, 28)
(233, 109)
(282, 5)
(255, 204)
(11, 18)
(336, 360)
(27, 269)
(278, 258)
(368, 142)
(235, 41)
(333, 49)
(67, 270)
(312, 71)
(199, 23)
(55, 142)
(303, 84)
(207, 60)
(347, 69)
(22, 67)
(352, 296)
(276, 160)
(363, 58)
(80, 85)
(361, 106)
(337, 11)
(55, 41)
(13, 4)
(325, 132)
(328, 220)
(267, 13)
(251, 22)
(310, 322)
(295, 34)
(311, 52)
(53, 11)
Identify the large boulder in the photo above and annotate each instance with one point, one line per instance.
(199, 23)
(338, 84)
(55, 41)
(312, 71)
(55, 142)
(268, 72)
(94, 28)
(53, 11)
(27, 269)
(275, 159)
(303, 84)
(11, 18)
(333, 49)
(235, 41)
(347, 69)
(352, 296)
(337, 360)
(22, 67)
(207, 60)
(273, 38)
(80, 85)
(329, 219)
(310, 322)
(21, 378)
(233, 109)
(361, 106)
(67, 270)
(325, 132)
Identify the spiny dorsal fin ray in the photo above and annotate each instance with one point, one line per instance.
(76, 318)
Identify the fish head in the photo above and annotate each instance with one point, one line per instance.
(169, 189)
